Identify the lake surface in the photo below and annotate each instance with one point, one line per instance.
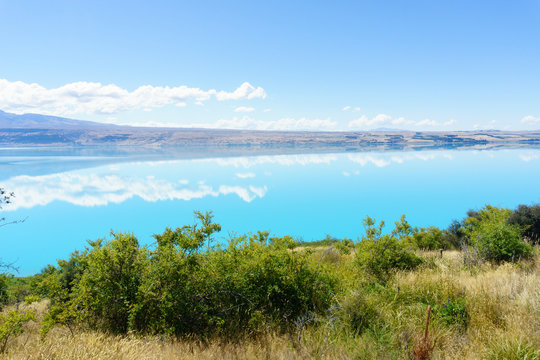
(69, 196)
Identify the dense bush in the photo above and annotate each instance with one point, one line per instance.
(528, 218)
(109, 286)
(494, 238)
(381, 255)
(454, 236)
(429, 239)
(253, 282)
(187, 285)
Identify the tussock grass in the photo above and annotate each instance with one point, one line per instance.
(93, 345)
(497, 317)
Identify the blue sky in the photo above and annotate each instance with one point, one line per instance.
(424, 65)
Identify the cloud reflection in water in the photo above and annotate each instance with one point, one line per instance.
(99, 190)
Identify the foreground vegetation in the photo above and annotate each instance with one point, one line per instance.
(264, 297)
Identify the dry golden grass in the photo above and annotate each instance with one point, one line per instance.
(92, 345)
(503, 303)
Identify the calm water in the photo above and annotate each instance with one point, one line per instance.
(70, 196)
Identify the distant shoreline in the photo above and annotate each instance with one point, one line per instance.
(132, 136)
(43, 130)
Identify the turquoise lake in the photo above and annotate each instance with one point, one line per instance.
(69, 196)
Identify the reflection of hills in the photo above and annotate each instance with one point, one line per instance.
(48, 160)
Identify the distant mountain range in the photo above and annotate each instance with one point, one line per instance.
(37, 121)
(43, 130)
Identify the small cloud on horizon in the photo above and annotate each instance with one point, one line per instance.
(384, 120)
(529, 119)
(244, 109)
(245, 175)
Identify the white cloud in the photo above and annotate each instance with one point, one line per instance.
(529, 119)
(267, 110)
(245, 175)
(98, 190)
(95, 98)
(364, 122)
(246, 122)
(434, 123)
(244, 109)
(449, 122)
(489, 125)
(384, 120)
(399, 121)
(245, 91)
(346, 108)
(426, 122)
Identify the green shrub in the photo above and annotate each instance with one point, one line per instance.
(60, 286)
(381, 255)
(495, 239)
(4, 298)
(187, 285)
(454, 236)
(454, 312)
(429, 239)
(13, 289)
(344, 246)
(255, 280)
(98, 286)
(12, 325)
(109, 286)
(381, 258)
(30, 299)
(528, 219)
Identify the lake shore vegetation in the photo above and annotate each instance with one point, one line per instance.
(470, 291)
